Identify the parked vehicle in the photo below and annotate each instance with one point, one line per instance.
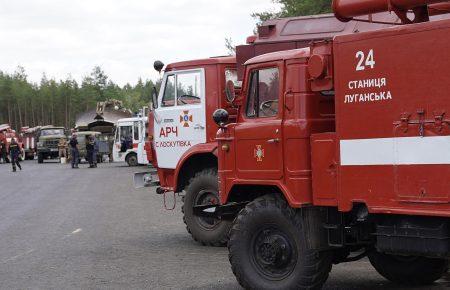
(47, 145)
(182, 139)
(29, 139)
(340, 151)
(8, 134)
(103, 145)
(130, 140)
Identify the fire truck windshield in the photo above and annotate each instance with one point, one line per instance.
(50, 132)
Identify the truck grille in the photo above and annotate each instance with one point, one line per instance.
(51, 143)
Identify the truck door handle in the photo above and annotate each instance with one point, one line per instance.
(198, 127)
(276, 140)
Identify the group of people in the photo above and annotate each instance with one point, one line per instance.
(14, 151)
(91, 151)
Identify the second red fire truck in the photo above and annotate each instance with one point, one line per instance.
(339, 151)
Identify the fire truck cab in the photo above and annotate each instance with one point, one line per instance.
(183, 147)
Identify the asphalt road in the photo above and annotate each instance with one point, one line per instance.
(88, 228)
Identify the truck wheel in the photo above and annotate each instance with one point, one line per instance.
(132, 160)
(408, 270)
(268, 250)
(40, 158)
(203, 190)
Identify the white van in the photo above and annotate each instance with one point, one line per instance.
(129, 141)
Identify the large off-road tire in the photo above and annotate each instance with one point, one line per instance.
(132, 160)
(40, 158)
(411, 270)
(202, 190)
(268, 250)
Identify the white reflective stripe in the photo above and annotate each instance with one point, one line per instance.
(396, 151)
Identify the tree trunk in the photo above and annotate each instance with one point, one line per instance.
(19, 111)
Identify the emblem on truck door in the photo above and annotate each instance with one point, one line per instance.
(259, 153)
(185, 119)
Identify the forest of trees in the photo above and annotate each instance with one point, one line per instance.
(58, 102)
(290, 8)
(23, 103)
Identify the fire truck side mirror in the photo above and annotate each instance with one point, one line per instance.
(154, 98)
(221, 117)
(158, 66)
(230, 91)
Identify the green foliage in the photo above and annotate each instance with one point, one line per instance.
(290, 8)
(23, 103)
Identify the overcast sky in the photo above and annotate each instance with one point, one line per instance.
(61, 37)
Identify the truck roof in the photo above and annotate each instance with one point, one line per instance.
(323, 26)
(297, 32)
(280, 55)
(394, 30)
(132, 119)
(4, 127)
(204, 61)
(51, 128)
(87, 133)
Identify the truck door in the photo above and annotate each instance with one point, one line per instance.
(141, 153)
(259, 150)
(124, 132)
(180, 120)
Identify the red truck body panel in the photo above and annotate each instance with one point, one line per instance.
(394, 150)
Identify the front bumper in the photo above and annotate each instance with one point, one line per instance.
(145, 179)
(48, 150)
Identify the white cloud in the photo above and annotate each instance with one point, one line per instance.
(63, 37)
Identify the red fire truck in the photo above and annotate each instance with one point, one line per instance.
(340, 151)
(29, 139)
(177, 169)
(7, 134)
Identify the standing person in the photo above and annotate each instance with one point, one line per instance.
(90, 150)
(14, 151)
(3, 147)
(62, 148)
(96, 149)
(123, 144)
(74, 151)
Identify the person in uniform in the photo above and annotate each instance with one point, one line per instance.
(96, 149)
(62, 148)
(14, 151)
(3, 153)
(74, 153)
(90, 150)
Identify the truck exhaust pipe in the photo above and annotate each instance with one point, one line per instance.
(346, 10)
